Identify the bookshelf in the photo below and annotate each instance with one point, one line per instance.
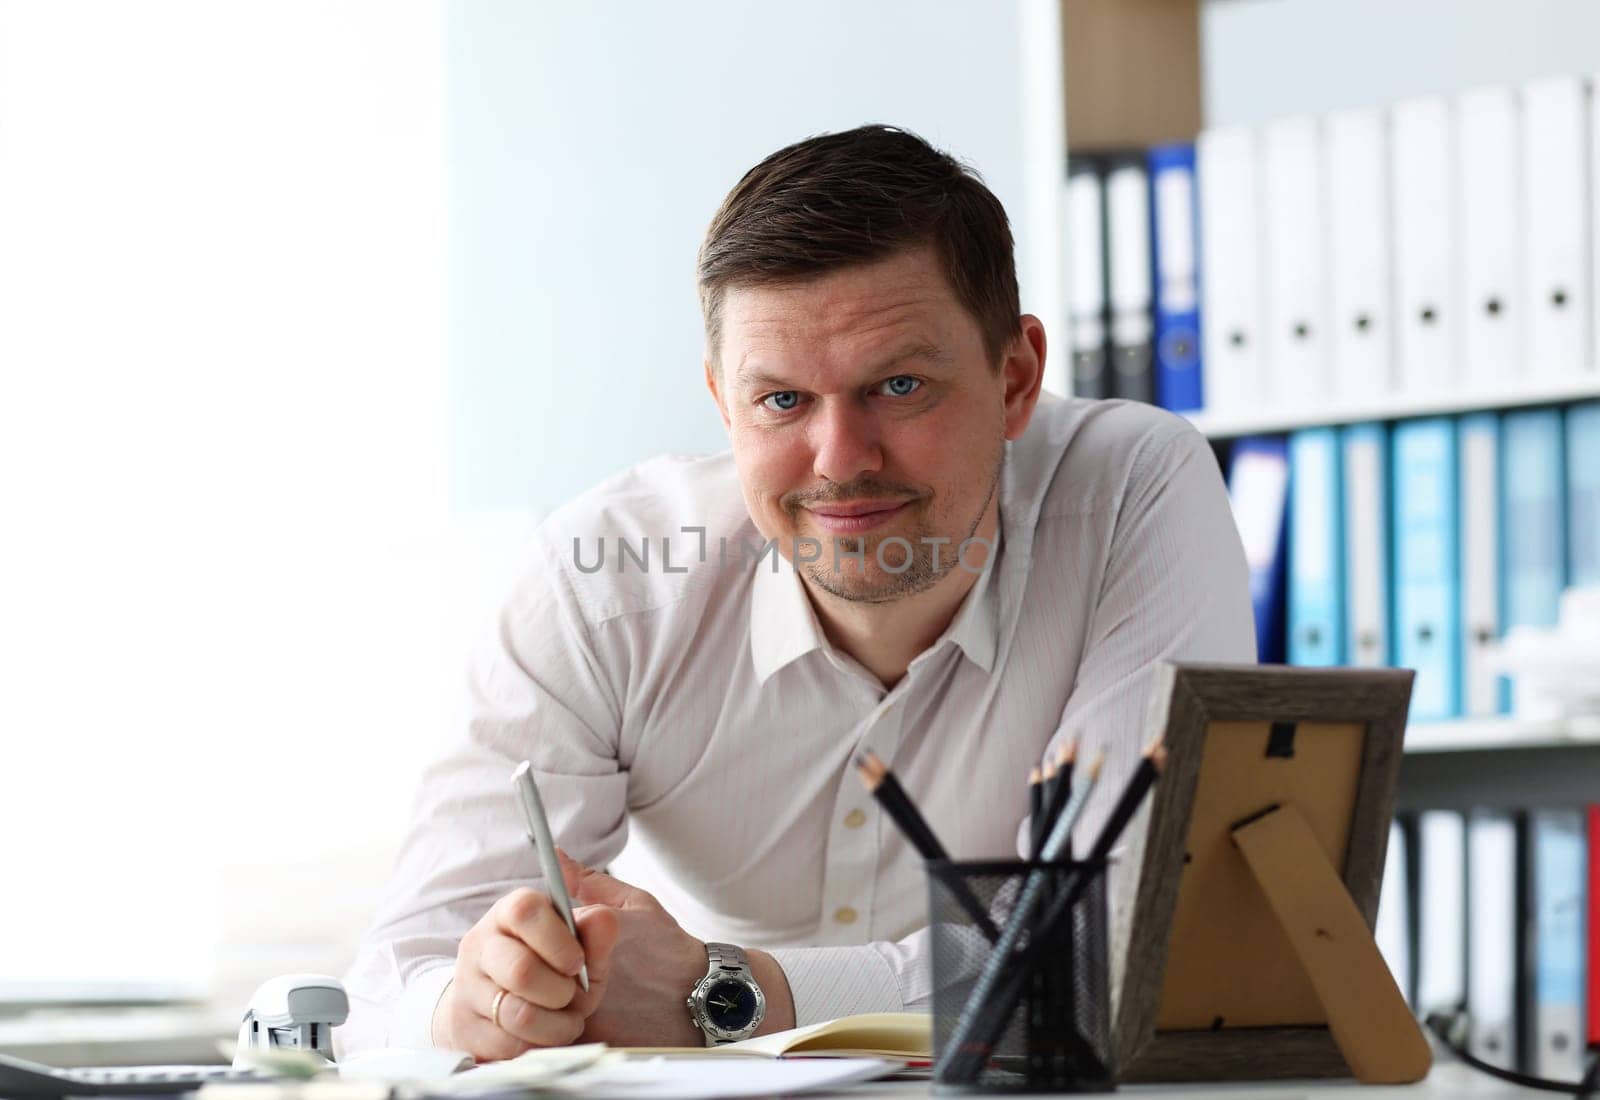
(1110, 49)
(1503, 733)
(1336, 286)
(1525, 392)
(1499, 778)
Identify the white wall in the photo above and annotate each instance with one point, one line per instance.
(1268, 59)
(592, 142)
(231, 590)
(223, 446)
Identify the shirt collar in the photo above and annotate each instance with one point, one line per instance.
(976, 627)
(784, 626)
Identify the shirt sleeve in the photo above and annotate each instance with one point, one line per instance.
(1176, 588)
(829, 982)
(536, 692)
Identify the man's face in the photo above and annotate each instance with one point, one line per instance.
(862, 406)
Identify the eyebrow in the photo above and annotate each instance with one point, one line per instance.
(760, 379)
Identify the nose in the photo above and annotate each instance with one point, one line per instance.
(845, 442)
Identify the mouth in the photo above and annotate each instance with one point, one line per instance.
(856, 516)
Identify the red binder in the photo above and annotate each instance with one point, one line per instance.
(1593, 967)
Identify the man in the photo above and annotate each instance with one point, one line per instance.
(904, 551)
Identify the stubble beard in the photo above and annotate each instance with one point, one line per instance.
(857, 584)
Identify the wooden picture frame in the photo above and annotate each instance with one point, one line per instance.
(1349, 726)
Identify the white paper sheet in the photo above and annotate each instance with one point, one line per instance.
(718, 1078)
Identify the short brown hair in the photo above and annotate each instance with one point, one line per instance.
(838, 200)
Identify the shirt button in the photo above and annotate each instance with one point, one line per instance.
(844, 915)
(854, 819)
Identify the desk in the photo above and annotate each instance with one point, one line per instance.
(1448, 1081)
(180, 1034)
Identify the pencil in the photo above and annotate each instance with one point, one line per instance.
(1068, 753)
(1143, 778)
(1036, 783)
(1139, 784)
(1065, 757)
(984, 1015)
(898, 805)
(1061, 789)
(893, 798)
(1004, 997)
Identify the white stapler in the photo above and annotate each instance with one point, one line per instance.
(293, 1012)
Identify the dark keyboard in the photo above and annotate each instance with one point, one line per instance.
(24, 1080)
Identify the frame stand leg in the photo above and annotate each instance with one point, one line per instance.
(1367, 1016)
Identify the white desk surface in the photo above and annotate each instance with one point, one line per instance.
(1450, 1080)
(118, 1037)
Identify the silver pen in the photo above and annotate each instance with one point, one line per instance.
(545, 845)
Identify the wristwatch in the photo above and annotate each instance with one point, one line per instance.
(727, 1004)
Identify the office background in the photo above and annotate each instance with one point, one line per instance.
(312, 309)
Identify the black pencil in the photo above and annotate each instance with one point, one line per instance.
(1060, 788)
(898, 805)
(1139, 784)
(996, 990)
(1069, 753)
(1035, 811)
(893, 798)
(967, 1056)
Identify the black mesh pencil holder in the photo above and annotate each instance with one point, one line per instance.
(1035, 1017)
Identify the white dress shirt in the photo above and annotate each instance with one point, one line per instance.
(696, 711)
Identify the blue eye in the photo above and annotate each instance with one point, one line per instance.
(902, 385)
(782, 401)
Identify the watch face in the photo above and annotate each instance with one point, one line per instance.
(731, 1005)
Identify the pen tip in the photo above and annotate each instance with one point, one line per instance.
(522, 769)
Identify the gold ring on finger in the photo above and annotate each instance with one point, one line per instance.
(494, 1009)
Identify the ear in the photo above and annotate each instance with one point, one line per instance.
(712, 384)
(1023, 374)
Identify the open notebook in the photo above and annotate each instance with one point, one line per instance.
(903, 1035)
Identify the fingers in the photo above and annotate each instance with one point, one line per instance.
(520, 1025)
(571, 870)
(590, 887)
(512, 965)
(523, 947)
(531, 917)
(598, 929)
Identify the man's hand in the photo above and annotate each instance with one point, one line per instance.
(642, 965)
(654, 966)
(522, 946)
(652, 969)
